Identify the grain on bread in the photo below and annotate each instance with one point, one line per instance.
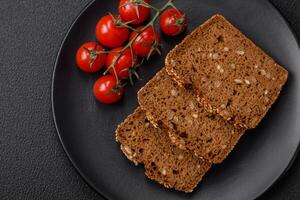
(163, 161)
(231, 75)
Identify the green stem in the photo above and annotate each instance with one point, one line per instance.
(138, 32)
(150, 6)
(121, 24)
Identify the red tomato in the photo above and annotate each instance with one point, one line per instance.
(107, 91)
(88, 58)
(135, 14)
(173, 22)
(123, 64)
(146, 43)
(109, 34)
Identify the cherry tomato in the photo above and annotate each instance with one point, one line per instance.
(133, 13)
(88, 58)
(109, 34)
(173, 22)
(123, 64)
(146, 43)
(107, 91)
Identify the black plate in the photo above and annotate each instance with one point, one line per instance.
(86, 128)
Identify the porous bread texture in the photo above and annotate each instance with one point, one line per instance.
(189, 125)
(163, 161)
(229, 73)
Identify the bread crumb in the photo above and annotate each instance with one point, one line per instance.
(226, 49)
(255, 66)
(223, 106)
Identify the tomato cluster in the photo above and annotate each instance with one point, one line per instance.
(121, 45)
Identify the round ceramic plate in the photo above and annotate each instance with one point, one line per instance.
(86, 128)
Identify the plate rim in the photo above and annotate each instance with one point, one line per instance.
(77, 169)
(82, 174)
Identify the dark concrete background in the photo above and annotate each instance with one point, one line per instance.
(32, 162)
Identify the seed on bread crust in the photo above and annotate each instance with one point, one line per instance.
(173, 92)
(266, 92)
(247, 82)
(164, 171)
(240, 52)
(238, 81)
(215, 56)
(127, 150)
(226, 49)
(217, 84)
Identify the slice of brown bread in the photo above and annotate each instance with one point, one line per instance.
(163, 161)
(230, 74)
(190, 127)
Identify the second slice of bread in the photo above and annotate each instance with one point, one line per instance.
(190, 127)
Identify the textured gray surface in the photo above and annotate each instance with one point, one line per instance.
(32, 162)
